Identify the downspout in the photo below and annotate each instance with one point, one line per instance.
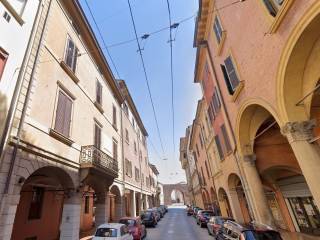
(24, 110)
(123, 162)
(243, 179)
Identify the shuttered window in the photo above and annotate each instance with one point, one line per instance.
(273, 6)
(219, 148)
(115, 150)
(114, 116)
(71, 55)
(226, 79)
(127, 136)
(63, 114)
(97, 136)
(232, 74)
(226, 138)
(137, 174)
(217, 29)
(3, 60)
(99, 93)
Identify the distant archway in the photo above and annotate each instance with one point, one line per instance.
(177, 196)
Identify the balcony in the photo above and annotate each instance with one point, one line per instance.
(93, 162)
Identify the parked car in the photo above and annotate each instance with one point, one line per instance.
(165, 208)
(203, 217)
(114, 231)
(189, 211)
(135, 226)
(156, 213)
(159, 211)
(196, 210)
(215, 223)
(233, 230)
(149, 219)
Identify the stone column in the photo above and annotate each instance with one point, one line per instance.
(134, 207)
(102, 209)
(307, 154)
(261, 209)
(70, 221)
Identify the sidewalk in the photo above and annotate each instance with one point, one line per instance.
(298, 236)
(87, 235)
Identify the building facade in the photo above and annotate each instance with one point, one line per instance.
(62, 167)
(265, 77)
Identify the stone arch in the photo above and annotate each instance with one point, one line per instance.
(239, 198)
(251, 115)
(46, 194)
(115, 202)
(298, 72)
(224, 203)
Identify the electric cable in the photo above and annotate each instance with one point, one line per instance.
(145, 74)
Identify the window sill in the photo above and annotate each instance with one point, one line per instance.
(68, 70)
(60, 137)
(280, 16)
(237, 91)
(12, 12)
(98, 106)
(220, 45)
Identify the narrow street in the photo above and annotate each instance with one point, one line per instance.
(176, 225)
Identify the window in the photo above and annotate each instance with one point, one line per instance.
(71, 55)
(207, 168)
(197, 148)
(142, 178)
(226, 138)
(135, 147)
(63, 114)
(18, 5)
(114, 116)
(230, 75)
(203, 178)
(146, 160)
(128, 168)
(219, 148)
(210, 113)
(144, 140)
(217, 29)
(215, 101)
(99, 93)
(97, 135)
(3, 60)
(273, 6)
(137, 174)
(201, 140)
(127, 136)
(126, 109)
(86, 204)
(147, 182)
(36, 203)
(115, 150)
(195, 157)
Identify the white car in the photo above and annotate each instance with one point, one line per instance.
(114, 231)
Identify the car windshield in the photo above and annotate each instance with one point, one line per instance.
(128, 222)
(106, 232)
(262, 235)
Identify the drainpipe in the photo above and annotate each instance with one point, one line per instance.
(24, 110)
(204, 43)
(122, 158)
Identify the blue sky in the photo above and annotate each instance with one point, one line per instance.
(113, 18)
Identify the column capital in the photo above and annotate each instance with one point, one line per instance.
(250, 158)
(298, 131)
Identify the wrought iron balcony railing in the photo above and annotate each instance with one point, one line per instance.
(90, 155)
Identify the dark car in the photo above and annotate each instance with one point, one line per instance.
(164, 207)
(135, 226)
(215, 223)
(233, 230)
(156, 213)
(203, 217)
(196, 210)
(189, 211)
(149, 219)
(159, 211)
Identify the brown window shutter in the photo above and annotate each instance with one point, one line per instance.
(97, 136)
(115, 150)
(69, 53)
(99, 93)
(60, 113)
(67, 117)
(114, 116)
(75, 58)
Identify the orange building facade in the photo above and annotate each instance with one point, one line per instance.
(256, 63)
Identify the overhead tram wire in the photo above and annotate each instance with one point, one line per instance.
(102, 39)
(145, 74)
(171, 76)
